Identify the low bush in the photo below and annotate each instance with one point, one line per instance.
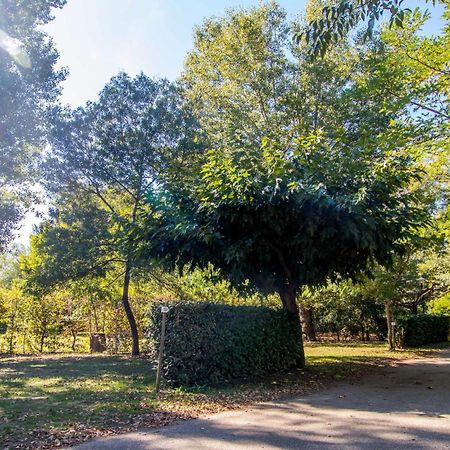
(207, 343)
(424, 329)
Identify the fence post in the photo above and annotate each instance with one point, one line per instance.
(164, 311)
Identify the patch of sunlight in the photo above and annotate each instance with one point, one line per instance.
(8, 372)
(29, 397)
(37, 382)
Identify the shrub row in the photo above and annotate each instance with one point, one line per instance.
(424, 329)
(207, 343)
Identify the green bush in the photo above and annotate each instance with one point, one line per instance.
(424, 329)
(207, 343)
(440, 305)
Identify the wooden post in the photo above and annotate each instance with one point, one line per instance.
(164, 311)
(393, 324)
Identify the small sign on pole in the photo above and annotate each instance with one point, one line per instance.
(164, 311)
(393, 325)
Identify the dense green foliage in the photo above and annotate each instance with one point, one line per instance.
(346, 311)
(339, 17)
(207, 343)
(441, 305)
(424, 329)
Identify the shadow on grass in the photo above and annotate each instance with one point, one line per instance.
(73, 366)
(87, 393)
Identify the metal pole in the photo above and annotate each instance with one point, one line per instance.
(164, 311)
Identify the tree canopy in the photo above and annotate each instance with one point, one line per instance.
(26, 93)
(112, 151)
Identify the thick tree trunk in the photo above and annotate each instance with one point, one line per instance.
(390, 326)
(288, 298)
(129, 312)
(307, 318)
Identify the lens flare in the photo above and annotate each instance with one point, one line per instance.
(15, 49)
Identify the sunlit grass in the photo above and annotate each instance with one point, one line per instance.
(324, 353)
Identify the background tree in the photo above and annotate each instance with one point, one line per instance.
(114, 149)
(27, 90)
(70, 245)
(347, 310)
(11, 298)
(239, 77)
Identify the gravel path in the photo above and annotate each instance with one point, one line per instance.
(402, 407)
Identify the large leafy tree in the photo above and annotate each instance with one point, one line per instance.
(274, 221)
(114, 150)
(420, 77)
(29, 84)
(326, 192)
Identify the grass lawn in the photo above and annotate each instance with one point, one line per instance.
(55, 400)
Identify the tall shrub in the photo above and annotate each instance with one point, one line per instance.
(424, 329)
(207, 343)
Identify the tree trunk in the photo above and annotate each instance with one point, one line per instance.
(338, 336)
(12, 332)
(288, 298)
(94, 310)
(129, 312)
(74, 339)
(390, 327)
(41, 343)
(11, 344)
(306, 316)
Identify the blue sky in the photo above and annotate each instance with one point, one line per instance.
(97, 38)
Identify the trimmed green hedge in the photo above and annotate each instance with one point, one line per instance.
(207, 343)
(424, 329)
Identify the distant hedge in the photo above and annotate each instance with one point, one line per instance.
(424, 329)
(207, 343)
